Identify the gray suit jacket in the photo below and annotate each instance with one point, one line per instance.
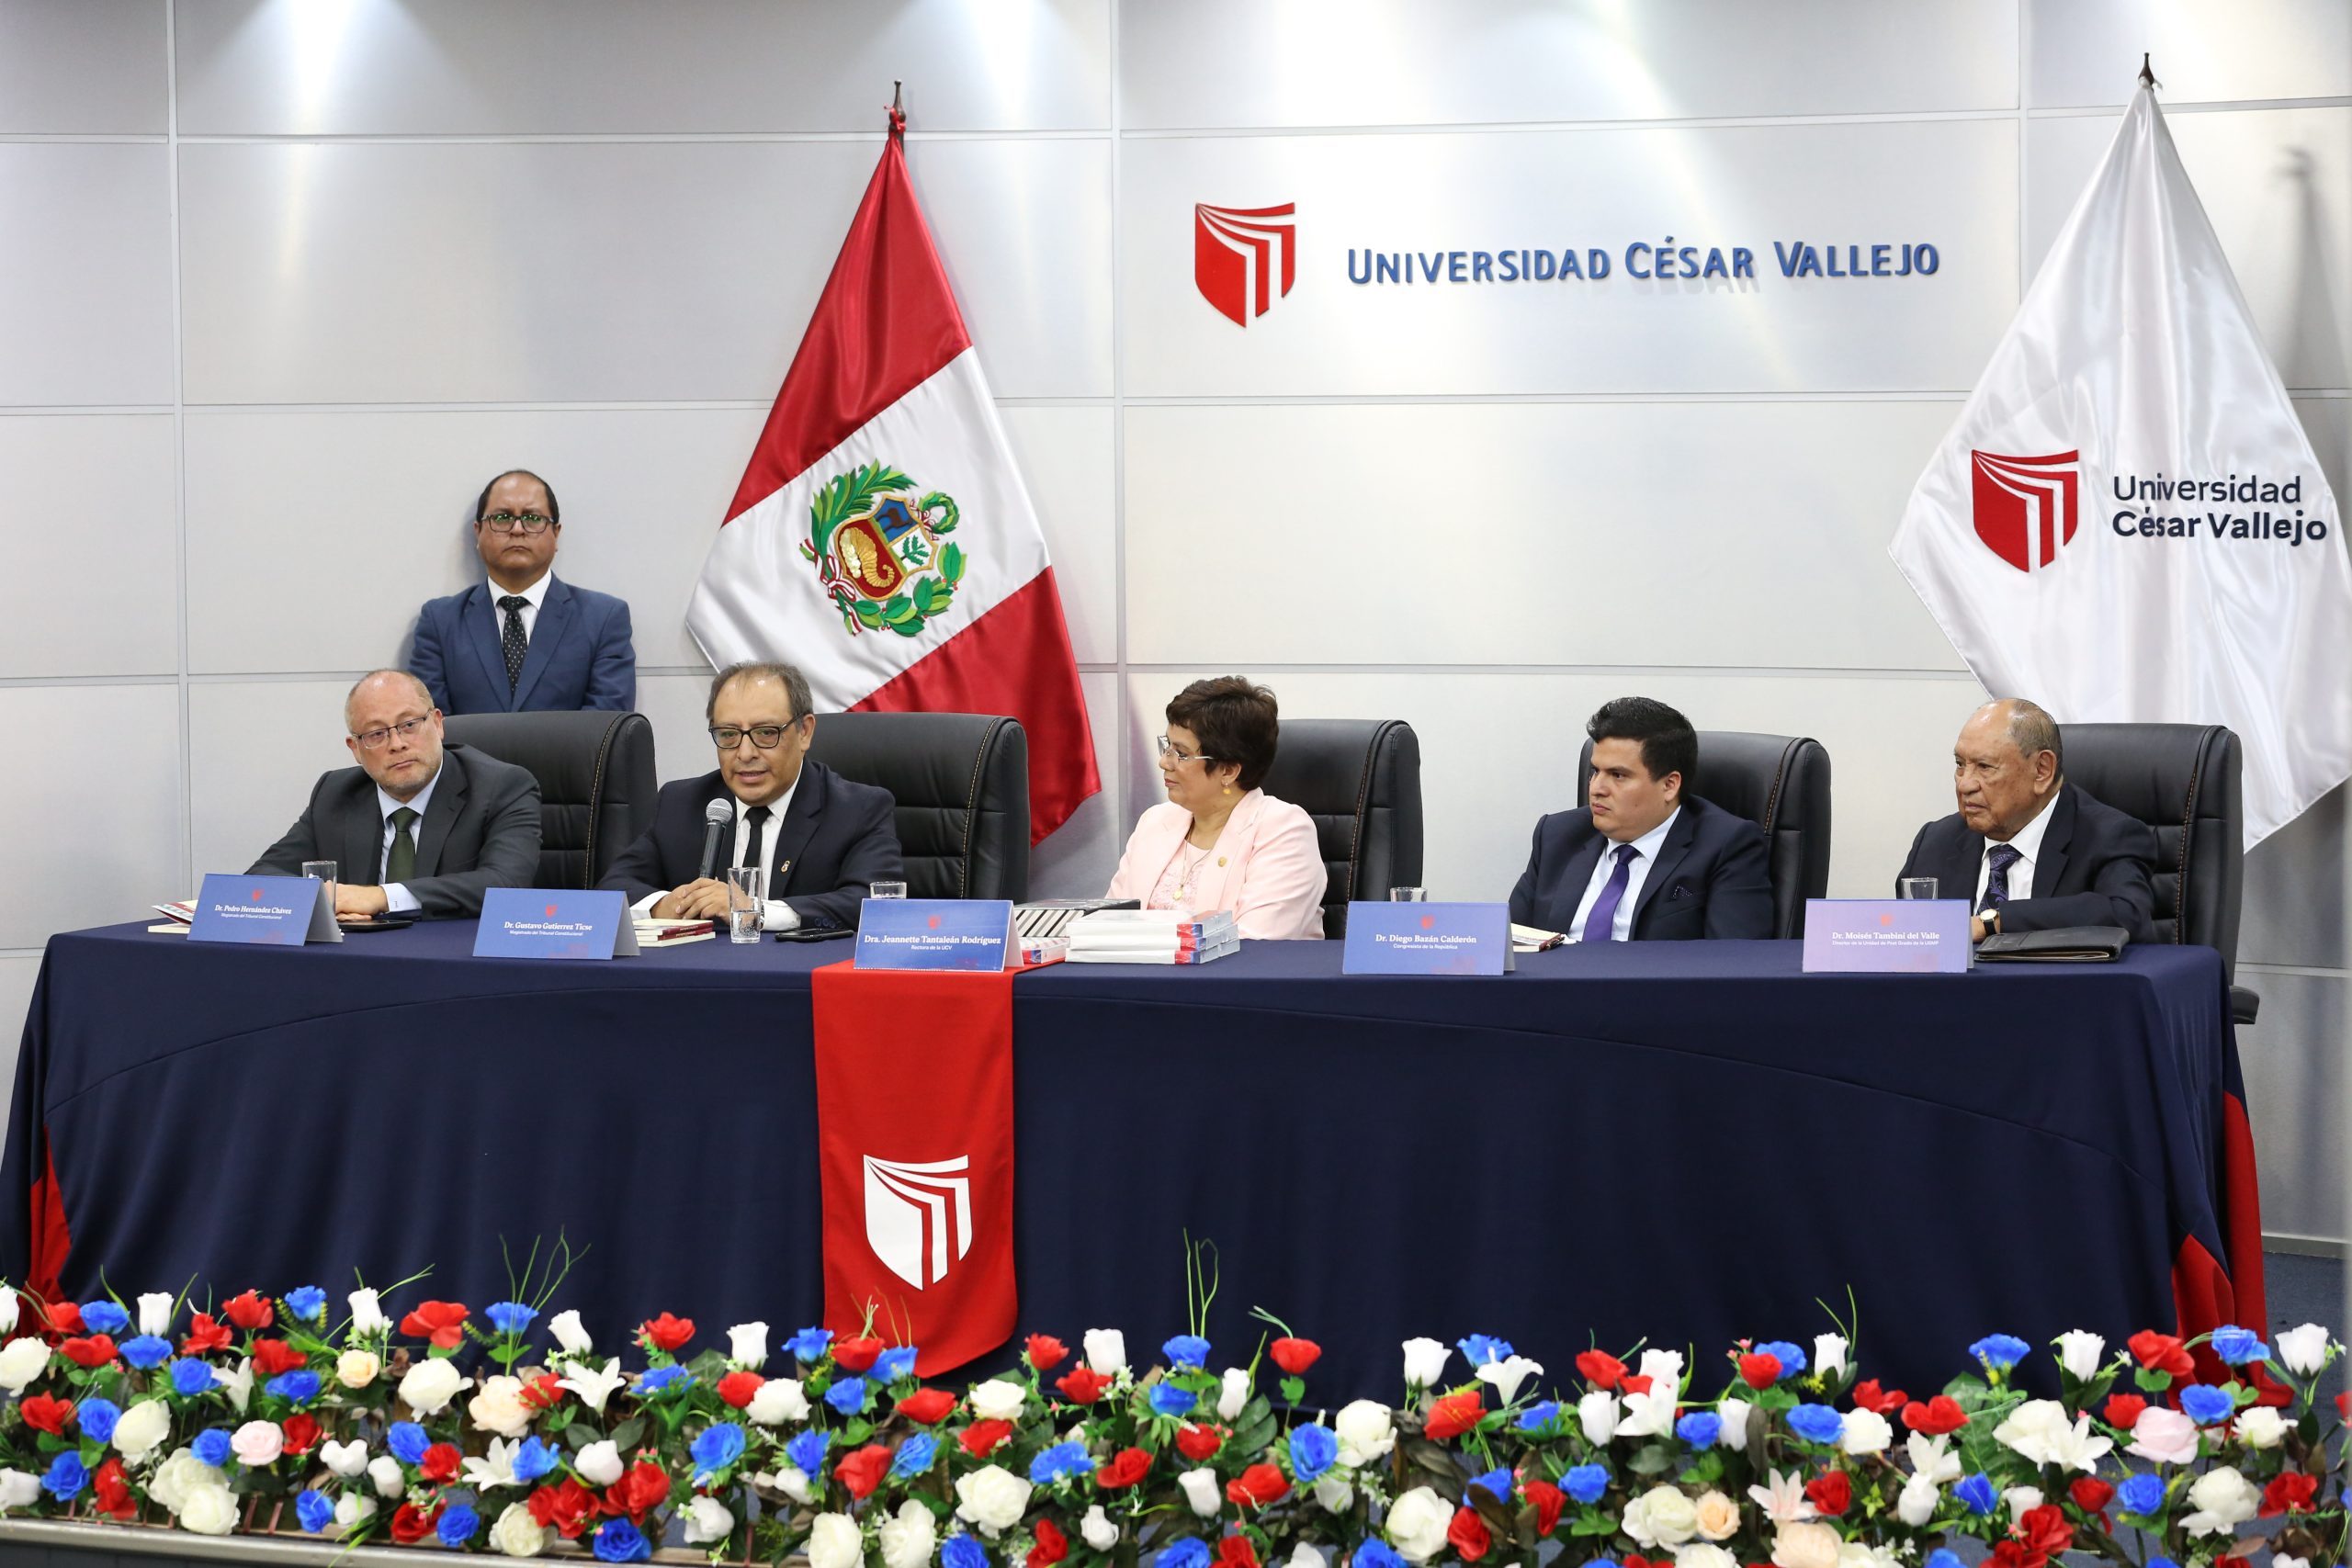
(481, 830)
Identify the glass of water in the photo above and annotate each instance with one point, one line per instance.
(323, 870)
(743, 903)
(887, 890)
(1409, 895)
(1916, 887)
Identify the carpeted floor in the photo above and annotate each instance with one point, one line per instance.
(2305, 1290)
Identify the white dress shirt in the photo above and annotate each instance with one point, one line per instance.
(533, 596)
(397, 897)
(2027, 844)
(777, 915)
(1645, 849)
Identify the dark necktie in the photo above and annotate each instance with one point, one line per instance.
(512, 640)
(758, 818)
(1601, 924)
(399, 861)
(1996, 885)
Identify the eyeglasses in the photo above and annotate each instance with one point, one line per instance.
(726, 737)
(407, 728)
(519, 522)
(1170, 748)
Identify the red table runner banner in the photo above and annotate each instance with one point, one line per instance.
(914, 1134)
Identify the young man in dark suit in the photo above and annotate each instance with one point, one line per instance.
(2027, 850)
(822, 840)
(1645, 859)
(524, 640)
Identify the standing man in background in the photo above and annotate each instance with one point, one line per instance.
(524, 640)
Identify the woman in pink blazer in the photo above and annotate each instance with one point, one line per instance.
(1219, 841)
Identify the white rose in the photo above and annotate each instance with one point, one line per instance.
(368, 1315)
(992, 1497)
(431, 1385)
(1334, 1492)
(155, 1314)
(19, 1488)
(352, 1510)
(21, 1360)
(1416, 1523)
(2022, 1500)
(997, 1399)
(2080, 1352)
(570, 1334)
(499, 1407)
(208, 1510)
(1202, 1491)
(2222, 1500)
(517, 1534)
(176, 1474)
(1932, 1457)
(1703, 1555)
(795, 1483)
(779, 1400)
(1305, 1556)
(1100, 1532)
(1509, 1374)
(1806, 1546)
(385, 1471)
(747, 1344)
(2036, 1429)
(1233, 1392)
(1828, 1354)
(1661, 1517)
(257, 1443)
(146, 1424)
(907, 1538)
(1425, 1362)
(1662, 1366)
(1732, 1412)
(1917, 1505)
(1366, 1432)
(2258, 1427)
(1649, 1413)
(1717, 1514)
(238, 1384)
(345, 1460)
(707, 1518)
(834, 1542)
(1598, 1412)
(2302, 1350)
(7, 1309)
(1106, 1350)
(1854, 1554)
(599, 1463)
(1867, 1432)
(357, 1368)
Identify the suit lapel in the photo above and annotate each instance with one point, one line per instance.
(1670, 856)
(362, 861)
(440, 813)
(547, 632)
(799, 824)
(1576, 874)
(1956, 876)
(481, 622)
(1233, 842)
(2056, 840)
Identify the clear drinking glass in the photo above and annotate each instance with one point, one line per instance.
(1409, 895)
(743, 902)
(887, 890)
(325, 871)
(1916, 887)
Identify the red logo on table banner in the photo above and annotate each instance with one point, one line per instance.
(1238, 252)
(256, 895)
(550, 911)
(1429, 922)
(1886, 919)
(918, 1215)
(933, 923)
(2025, 507)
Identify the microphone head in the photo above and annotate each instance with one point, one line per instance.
(719, 812)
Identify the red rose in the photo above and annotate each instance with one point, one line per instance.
(1881, 1402)
(1759, 1369)
(2344, 1404)
(1052, 1545)
(981, 1439)
(1600, 1369)
(1938, 1416)
(94, 1351)
(1294, 1355)
(1454, 1414)
(2045, 1531)
(250, 1310)
(301, 1430)
(1257, 1486)
(1548, 1500)
(1129, 1467)
(2124, 1410)
(857, 1355)
(113, 1491)
(565, 1508)
(1081, 1385)
(1198, 1443)
(1469, 1535)
(441, 1322)
(44, 1414)
(863, 1469)
(2090, 1493)
(1635, 1383)
(438, 1463)
(544, 1392)
(1832, 1493)
(667, 1332)
(62, 1317)
(1235, 1551)
(2013, 1554)
(272, 1356)
(644, 1486)
(2161, 1353)
(738, 1387)
(927, 1405)
(411, 1524)
(1045, 1353)
(205, 1334)
(2290, 1493)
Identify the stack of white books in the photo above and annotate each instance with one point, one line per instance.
(1152, 936)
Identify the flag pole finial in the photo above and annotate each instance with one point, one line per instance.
(2147, 73)
(898, 109)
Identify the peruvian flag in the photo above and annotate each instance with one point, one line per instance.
(882, 539)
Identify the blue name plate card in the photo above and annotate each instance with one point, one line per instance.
(275, 911)
(1428, 939)
(1886, 936)
(538, 922)
(936, 933)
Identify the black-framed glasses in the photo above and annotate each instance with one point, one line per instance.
(519, 522)
(766, 737)
(408, 730)
(1170, 748)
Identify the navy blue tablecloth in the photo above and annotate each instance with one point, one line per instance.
(1691, 1142)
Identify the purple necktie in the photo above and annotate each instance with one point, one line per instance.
(1601, 924)
(1996, 885)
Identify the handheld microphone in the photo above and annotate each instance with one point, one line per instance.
(717, 816)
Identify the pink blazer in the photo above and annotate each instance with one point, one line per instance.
(1267, 867)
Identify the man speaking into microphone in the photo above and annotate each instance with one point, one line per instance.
(822, 840)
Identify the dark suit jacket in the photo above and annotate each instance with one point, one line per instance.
(2093, 870)
(581, 656)
(1713, 878)
(481, 830)
(840, 837)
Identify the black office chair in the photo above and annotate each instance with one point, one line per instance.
(1781, 783)
(1361, 780)
(596, 782)
(2183, 781)
(962, 783)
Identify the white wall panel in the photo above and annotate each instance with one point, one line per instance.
(1948, 184)
(2277, 185)
(18, 973)
(1517, 532)
(1318, 62)
(89, 580)
(442, 67)
(255, 750)
(606, 271)
(2293, 912)
(1076, 860)
(92, 67)
(2088, 51)
(96, 806)
(86, 273)
(1066, 457)
(2295, 1088)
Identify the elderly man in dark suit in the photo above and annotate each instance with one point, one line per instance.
(822, 840)
(417, 826)
(1645, 859)
(2030, 852)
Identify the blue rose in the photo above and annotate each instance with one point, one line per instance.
(105, 1317)
(1186, 1352)
(1943, 1557)
(315, 1512)
(2140, 1494)
(914, 1455)
(1535, 1417)
(897, 1362)
(2238, 1345)
(1183, 1554)
(2162, 1562)
(848, 1396)
(211, 1446)
(1976, 1494)
(1498, 1484)
(1167, 1399)
(1792, 1359)
(301, 1385)
(533, 1459)
(1478, 1349)
(718, 1447)
(147, 1350)
(1999, 1352)
(1313, 1452)
(809, 1344)
(807, 1451)
(1816, 1423)
(407, 1441)
(1586, 1482)
(1059, 1462)
(1700, 1428)
(457, 1525)
(618, 1540)
(190, 1378)
(1603, 1562)
(963, 1552)
(97, 1417)
(658, 1381)
(2206, 1405)
(510, 1318)
(1377, 1553)
(66, 1477)
(307, 1302)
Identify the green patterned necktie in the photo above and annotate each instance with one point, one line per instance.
(401, 863)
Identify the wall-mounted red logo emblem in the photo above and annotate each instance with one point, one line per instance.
(2025, 507)
(1244, 258)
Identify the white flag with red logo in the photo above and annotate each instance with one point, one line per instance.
(882, 539)
(2127, 523)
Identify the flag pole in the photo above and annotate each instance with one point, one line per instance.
(2147, 76)
(897, 111)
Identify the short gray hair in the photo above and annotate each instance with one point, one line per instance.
(795, 686)
(2032, 729)
(424, 692)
